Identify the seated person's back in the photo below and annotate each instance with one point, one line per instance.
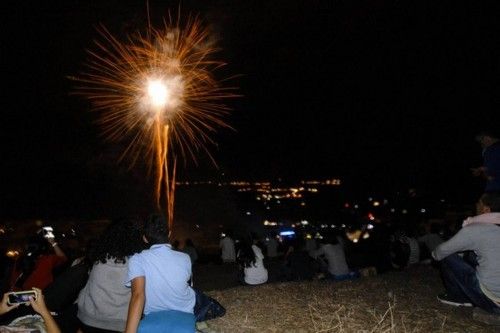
(103, 302)
(159, 280)
(333, 252)
(166, 272)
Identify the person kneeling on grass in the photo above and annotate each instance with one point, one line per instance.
(159, 279)
(474, 284)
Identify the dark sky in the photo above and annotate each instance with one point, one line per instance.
(384, 94)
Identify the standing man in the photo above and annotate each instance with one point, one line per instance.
(490, 169)
(159, 280)
(476, 284)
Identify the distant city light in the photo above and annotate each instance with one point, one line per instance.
(422, 210)
(304, 222)
(354, 235)
(269, 223)
(12, 253)
(248, 213)
(287, 233)
(376, 204)
(369, 226)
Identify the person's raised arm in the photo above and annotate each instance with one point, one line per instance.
(38, 304)
(57, 250)
(136, 304)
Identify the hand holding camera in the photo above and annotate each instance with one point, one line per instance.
(5, 305)
(33, 297)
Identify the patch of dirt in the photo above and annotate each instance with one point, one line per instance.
(392, 302)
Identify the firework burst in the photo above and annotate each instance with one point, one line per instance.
(157, 90)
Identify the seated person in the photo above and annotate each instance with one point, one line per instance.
(251, 261)
(408, 238)
(228, 249)
(298, 264)
(38, 305)
(405, 249)
(431, 238)
(332, 251)
(190, 250)
(466, 284)
(272, 246)
(159, 279)
(103, 302)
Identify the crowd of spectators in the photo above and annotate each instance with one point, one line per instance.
(130, 279)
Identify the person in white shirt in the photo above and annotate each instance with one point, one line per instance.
(251, 261)
(334, 254)
(227, 247)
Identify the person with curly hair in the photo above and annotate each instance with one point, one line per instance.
(103, 302)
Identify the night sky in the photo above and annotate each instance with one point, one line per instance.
(385, 95)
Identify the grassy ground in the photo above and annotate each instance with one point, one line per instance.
(392, 302)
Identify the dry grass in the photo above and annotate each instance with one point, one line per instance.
(393, 302)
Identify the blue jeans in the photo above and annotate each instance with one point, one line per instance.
(461, 283)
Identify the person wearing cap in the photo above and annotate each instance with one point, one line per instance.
(490, 169)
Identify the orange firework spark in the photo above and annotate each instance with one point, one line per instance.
(158, 90)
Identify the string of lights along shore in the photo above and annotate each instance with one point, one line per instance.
(156, 90)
